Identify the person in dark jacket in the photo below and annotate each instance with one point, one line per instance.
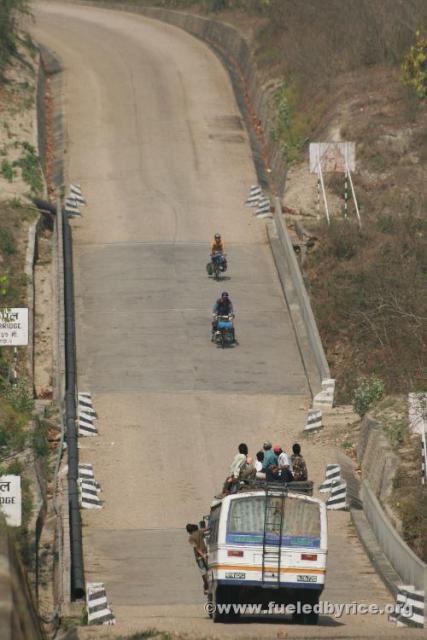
(222, 307)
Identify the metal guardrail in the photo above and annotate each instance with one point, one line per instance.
(411, 569)
(301, 293)
(76, 544)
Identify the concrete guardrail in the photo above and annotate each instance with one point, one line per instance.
(410, 568)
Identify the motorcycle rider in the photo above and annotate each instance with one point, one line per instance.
(218, 248)
(222, 307)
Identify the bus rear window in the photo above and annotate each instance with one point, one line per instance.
(300, 526)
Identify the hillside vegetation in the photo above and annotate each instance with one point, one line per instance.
(11, 11)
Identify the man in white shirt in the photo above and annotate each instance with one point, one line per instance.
(239, 461)
(284, 461)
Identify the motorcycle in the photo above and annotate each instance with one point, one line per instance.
(217, 265)
(223, 334)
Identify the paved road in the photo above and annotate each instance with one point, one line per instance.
(155, 139)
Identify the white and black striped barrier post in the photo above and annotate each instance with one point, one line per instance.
(255, 194)
(332, 474)
(74, 200)
(423, 457)
(314, 421)
(76, 193)
(264, 208)
(325, 397)
(89, 488)
(410, 607)
(87, 415)
(338, 496)
(98, 610)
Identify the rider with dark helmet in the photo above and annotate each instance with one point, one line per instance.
(222, 307)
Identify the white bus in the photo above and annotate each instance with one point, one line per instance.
(267, 544)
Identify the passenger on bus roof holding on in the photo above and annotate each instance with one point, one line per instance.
(270, 457)
(299, 466)
(283, 460)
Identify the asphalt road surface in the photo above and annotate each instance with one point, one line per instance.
(155, 138)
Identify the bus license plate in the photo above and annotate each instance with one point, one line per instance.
(306, 578)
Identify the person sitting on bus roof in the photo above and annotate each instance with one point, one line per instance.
(270, 457)
(259, 460)
(197, 541)
(239, 460)
(283, 460)
(248, 471)
(275, 474)
(299, 466)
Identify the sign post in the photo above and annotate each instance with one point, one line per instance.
(334, 157)
(14, 332)
(14, 327)
(11, 499)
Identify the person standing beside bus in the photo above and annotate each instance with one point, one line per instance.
(196, 539)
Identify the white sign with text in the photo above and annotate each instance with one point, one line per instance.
(11, 499)
(14, 327)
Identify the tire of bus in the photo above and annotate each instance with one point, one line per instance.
(307, 618)
(219, 596)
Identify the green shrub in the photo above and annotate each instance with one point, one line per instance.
(289, 127)
(11, 11)
(12, 432)
(7, 170)
(30, 169)
(7, 243)
(385, 223)
(414, 68)
(39, 438)
(4, 285)
(396, 431)
(368, 391)
(19, 397)
(344, 239)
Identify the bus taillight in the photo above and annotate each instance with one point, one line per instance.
(235, 554)
(309, 556)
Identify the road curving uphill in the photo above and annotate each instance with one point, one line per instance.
(155, 139)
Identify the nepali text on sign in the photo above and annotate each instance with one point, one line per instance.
(11, 499)
(14, 327)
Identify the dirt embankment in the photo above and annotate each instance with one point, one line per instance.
(27, 438)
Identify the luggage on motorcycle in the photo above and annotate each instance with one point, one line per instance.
(209, 268)
(225, 324)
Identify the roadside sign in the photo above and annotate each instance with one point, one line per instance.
(14, 327)
(332, 157)
(11, 499)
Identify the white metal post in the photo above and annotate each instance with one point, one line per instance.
(320, 175)
(354, 195)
